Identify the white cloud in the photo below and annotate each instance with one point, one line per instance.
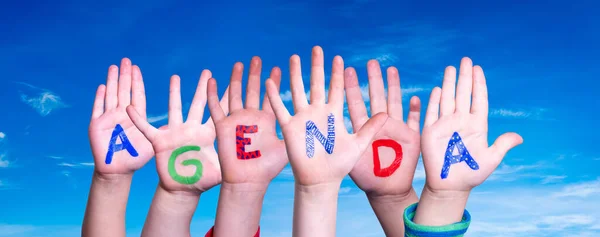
(41, 100)
(157, 118)
(561, 222)
(345, 190)
(66, 173)
(73, 165)
(2, 135)
(3, 153)
(286, 96)
(509, 173)
(518, 113)
(87, 163)
(67, 164)
(56, 157)
(580, 190)
(549, 179)
(413, 90)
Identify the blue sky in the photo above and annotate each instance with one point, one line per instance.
(539, 61)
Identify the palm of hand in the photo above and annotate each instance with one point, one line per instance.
(172, 171)
(322, 167)
(454, 143)
(272, 150)
(400, 181)
(100, 132)
(109, 112)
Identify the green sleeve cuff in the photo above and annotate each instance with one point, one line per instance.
(452, 230)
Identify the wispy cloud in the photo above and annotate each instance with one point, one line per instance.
(3, 151)
(580, 190)
(345, 190)
(75, 165)
(518, 113)
(509, 173)
(41, 100)
(286, 96)
(157, 118)
(549, 179)
(56, 157)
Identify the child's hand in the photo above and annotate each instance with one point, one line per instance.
(249, 150)
(391, 173)
(455, 147)
(186, 159)
(117, 144)
(318, 145)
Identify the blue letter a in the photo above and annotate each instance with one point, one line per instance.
(125, 144)
(463, 155)
(312, 131)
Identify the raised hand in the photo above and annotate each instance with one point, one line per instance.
(117, 145)
(387, 171)
(454, 144)
(186, 159)
(249, 150)
(318, 145)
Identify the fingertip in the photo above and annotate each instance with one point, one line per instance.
(206, 73)
(415, 103)
(338, 60)
(466, 60)
(372, 63)
(113, 68)
(294, 59)
(392, 71)
(255, 60)
(126, 61)
(317, 50)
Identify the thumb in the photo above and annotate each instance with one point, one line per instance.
(142, 124)
(504, 143)
(365, 135)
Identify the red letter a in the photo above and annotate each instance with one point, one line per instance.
(376, 162)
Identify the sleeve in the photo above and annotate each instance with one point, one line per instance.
(210, 232)
(452, 230)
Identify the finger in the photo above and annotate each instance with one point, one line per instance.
(276, 77)
(235, 86)
(124, 93)
(214, 107)
(365, 135)
(376, 89)
(296, 84)
(175, 116)
(138, 92)
(465, 86)
(394, 95)
(447, 99)
(282, 114)
(414, 114)
(141, 123)
(196, 111)
(433, 107)
(111, 88)
(354, 99)
(480, 93)
(336, 85)
(98, 108)
(317, 77)
(253, 87)
(224, 106)
(504, 143)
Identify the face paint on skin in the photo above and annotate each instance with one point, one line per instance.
(463, 155)
(386, 172)
(241, 142)
(312, 131)
(185, 179)
(114, 147)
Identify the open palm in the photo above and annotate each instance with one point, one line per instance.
(109, 114)
(392, 173)
(249, 149)
(319, 147)
(454, 143)
(186, 159)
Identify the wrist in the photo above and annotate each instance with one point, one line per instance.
(111, 179)
(239, 208)
(409, 197)
(441, 207)
(246, 188)
(176, 202)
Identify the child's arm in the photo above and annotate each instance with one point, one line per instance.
(320, 150)
(186, 161)
(250, 152)
(385, 171)
(455, 147)
(118, 147)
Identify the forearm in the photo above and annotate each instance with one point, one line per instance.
(170, 213)
(389, 210)
(239, 208)
(315, 209)
(107, 202)
(437, 208)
